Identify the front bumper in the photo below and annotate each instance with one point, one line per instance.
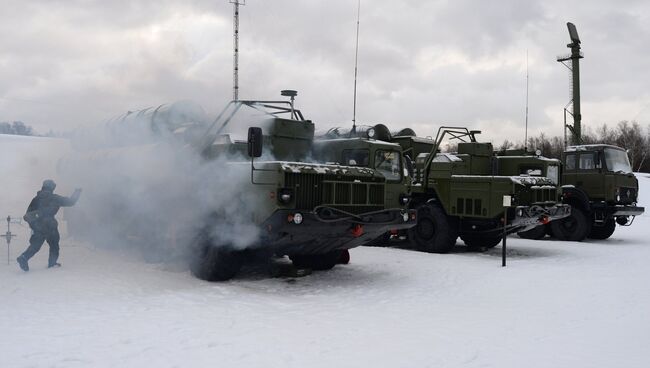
(526, 218)
(627, 211)
(325, 230)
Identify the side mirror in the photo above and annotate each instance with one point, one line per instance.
(255, 142)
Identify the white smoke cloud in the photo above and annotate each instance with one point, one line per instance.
(152, 192)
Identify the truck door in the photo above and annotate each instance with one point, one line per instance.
(569, 173)
(589, 176)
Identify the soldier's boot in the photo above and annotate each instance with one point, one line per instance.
(22, 262)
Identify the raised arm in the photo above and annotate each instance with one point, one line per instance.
(70, 201)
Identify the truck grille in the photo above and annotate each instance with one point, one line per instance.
(544, 194)
(344, 193)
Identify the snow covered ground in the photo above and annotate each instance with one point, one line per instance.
(557, 304)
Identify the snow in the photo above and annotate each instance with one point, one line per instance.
(556, 304)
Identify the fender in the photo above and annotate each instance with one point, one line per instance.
(576, 197)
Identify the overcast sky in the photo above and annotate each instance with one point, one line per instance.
(421, 63)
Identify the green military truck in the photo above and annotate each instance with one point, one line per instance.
(311, 212)
(598, 183)
(457, 194)
(597, 180)
(461, 194)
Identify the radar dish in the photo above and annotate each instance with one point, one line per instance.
(573, 32)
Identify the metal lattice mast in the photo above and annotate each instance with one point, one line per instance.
(576, 55)
(235, 59)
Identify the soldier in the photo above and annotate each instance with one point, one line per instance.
(40, 217)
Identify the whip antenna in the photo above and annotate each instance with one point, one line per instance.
(526, 132)
(356, 59)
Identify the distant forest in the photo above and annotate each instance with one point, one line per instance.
(627, 134)
(16, 128)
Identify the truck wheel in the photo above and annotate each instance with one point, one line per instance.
(481, 243)
(433, 232)
(317, 262)
(344, 258)
(604, 231)
(212, 263)
(575, 227)
(535, 233)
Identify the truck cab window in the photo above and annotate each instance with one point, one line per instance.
(570, 162)
(617, 160)
(355, 157)
(587, 161)
(530, 171)
(388, 163)
(553, 173)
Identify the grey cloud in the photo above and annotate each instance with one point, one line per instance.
(66, 63)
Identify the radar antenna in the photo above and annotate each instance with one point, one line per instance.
(574, 67)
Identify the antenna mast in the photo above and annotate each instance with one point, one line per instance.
(356, 58)
(526, 133)
(235, 59)
(576, 55)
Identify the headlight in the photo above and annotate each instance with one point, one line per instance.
(405, 216)
(297, 219)
(285, 195)
(404, 199)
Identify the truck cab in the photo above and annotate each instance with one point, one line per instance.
(598, 182)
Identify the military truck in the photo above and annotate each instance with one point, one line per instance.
(461, 194)
(286, 204)
(313, 211)
(598, 183)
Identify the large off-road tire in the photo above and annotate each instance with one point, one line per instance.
(212, 263)
(536, 233)
(317, 262)
(604, 231)
(344, 258)
(575, 227)
(481, 242)
(434, 232)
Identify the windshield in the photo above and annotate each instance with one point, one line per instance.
(552, 173)
(388, 163)
(357, 157)
(616, 160)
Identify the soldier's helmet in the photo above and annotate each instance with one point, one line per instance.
(49, 185)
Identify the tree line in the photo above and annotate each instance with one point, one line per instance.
(16, 128)
(626, 134)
